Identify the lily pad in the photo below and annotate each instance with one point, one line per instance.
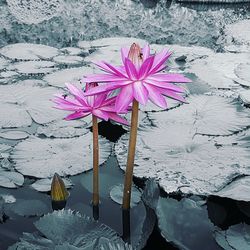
(183, 162)
(44, 185)
(205, 114)
(72, 75)
(75, 232)
(14, 135)
(8, 198)
(28, 51)
(72, 51)
(245, 96)
(44, 157)
(116, 195)
(34, 67)
(189, 228)
(3, 63)
(243, 73)
(236, 237)
(10, 179)
(63, 129)
(67, 59)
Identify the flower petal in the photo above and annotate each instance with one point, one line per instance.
(124, 53)
(77, 115)
(101, 114)
(77, 93)
(156, 97)
(146, 52)
(159, 60)
(140, 92)
(164, 85)
(124, 98)
(173, 95)
(119, 71)
(103, 78)
(117, 118)
(130, 69)
(146, 67)
(170, 77)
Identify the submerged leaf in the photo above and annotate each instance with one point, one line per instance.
(10, 179)
(44, 157)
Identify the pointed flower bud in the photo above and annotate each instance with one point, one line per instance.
(58, 189)
(135, 55)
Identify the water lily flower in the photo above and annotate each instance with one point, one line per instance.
(139, 78)
(99, 106)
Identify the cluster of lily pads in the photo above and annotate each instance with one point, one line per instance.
(201, 147)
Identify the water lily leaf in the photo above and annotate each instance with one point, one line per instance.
(72, 51)
(34, 67)
(32, 99)
(4, 147)
(29, 207)
(72, 75)
(116, 195)
(245, 96)
(10, 179)
(183, 162)
(242, 72)
(205, 114)
(14, 135)
(185, 224)
(44, 157)
(8, 198)
(6, 164)
(44, 185)
(67, 59)
(28, 51)
(236, 237)
(239, 189)
(3, 63)
(63, 129)
(151, 193)
(218, 70)
(18, 118)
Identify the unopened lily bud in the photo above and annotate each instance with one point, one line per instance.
(135, 55)
(58, 189)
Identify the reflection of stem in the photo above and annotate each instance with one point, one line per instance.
(95, 161)
(95, 212)
(126, 225)
(131, 156)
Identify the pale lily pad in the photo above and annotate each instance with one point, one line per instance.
(4, 147)
(3, 63)
(183, 162)
(10, 179)
(8, 74)
(72, 51)
(72, 75)
(237, 190)
(75, 232)
(18, 117)
(189, 228)
(29, 207)
(44, 185)
(217, 70)
(237, 237)
(8, 198)
(63, 129)
(67, 59)
(14, 135)
(28, 51)
(26, 99)
(116, 195)
(205, 114)
(245, 96)
(44, 157)
(34, 67)
(6, 164)
(243, 73)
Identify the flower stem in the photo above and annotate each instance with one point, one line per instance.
(131, 157)
(95, 162)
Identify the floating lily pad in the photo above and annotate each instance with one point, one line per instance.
(243, 73)
(6, 164)
(72, 75)
(236, 237)
(72, 51)
(28, 51)
(245, 96)
(29, 207)
(67, 59)
(4, 148)
(25, 99)
(3, 63)
(183, 162)
(18, 117)
(116, 195)
(10, 179)
(189, 228)
(44, 157)
(34, 67)
(14, 135)
(67, 230)
(44, 185)
(63, 129)
(237, 190)
(205, 114)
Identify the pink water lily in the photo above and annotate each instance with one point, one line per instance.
(100, 105)
(139, 78)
